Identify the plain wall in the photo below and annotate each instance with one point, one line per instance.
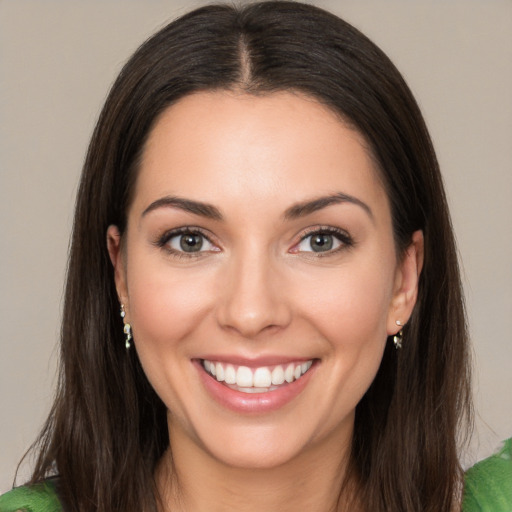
(57, 61)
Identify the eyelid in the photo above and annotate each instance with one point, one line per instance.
(163, 240)
(340, 234)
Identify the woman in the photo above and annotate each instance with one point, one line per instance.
(263, 306)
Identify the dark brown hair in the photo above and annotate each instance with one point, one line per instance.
(107, 428)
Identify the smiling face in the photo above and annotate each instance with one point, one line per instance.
(259, 275)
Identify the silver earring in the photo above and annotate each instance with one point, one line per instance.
(127, 329)
(128, 332)
(399, 336)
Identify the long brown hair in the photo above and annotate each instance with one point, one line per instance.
(107, 428)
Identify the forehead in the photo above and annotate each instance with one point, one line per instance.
(247, 147)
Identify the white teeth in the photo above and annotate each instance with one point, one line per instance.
(277, 375)
(304, 367)
(255, 380)
(289, 373)
(219, 372)
(262, 378)
(230, 374)
(252, 390)
(244, 377)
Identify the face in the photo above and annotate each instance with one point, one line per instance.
(259, 275)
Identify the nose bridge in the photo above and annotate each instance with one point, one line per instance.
(252, 295)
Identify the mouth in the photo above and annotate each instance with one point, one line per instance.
(262, 379)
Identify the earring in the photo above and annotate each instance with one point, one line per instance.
(128, 332)
(399, 336)
(127, 329)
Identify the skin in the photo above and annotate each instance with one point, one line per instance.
(257, 289)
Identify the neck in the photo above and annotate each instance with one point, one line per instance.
(191, 480)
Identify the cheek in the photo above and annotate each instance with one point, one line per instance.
(350, 313)
(351, 307)
(165, 304)
(166, 307)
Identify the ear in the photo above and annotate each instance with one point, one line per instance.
(406, 284)
(115, 252)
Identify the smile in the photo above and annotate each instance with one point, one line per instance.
(256, 380)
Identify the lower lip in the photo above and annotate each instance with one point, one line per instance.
(256, 403)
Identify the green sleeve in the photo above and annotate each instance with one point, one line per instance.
(35, 498)
(488, 484)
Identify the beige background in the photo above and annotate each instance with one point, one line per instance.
(57, 60)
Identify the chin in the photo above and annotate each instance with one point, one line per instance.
(256, 455)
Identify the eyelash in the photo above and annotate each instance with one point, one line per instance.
(163, 241)
(342, 236)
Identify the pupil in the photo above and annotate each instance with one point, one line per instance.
(321, 243)
(191, 242)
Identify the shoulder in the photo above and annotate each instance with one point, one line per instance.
(488, 484)
(34, 498)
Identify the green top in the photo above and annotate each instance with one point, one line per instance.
(36, 498)
(488, 488)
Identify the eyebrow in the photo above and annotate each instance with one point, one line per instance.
(294, 212)
(306, 208)
(196, 207)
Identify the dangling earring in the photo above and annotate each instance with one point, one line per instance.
(399, 336)
(128, 332)
(127, 329)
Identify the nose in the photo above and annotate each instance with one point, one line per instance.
(253, 297)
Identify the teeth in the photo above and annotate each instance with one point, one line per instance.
(256, 380)
(289, 373)
(244, 377)
(277, 375)
(262, 378)
(230, 375)
(219, 372)
(306, 366)
(252, 390)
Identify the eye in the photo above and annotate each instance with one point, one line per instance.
(186, 241)
(323, 241)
